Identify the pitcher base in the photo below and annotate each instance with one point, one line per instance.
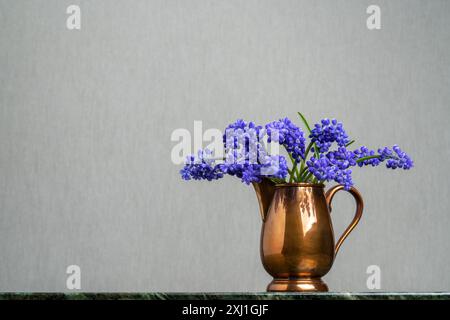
(297, 285)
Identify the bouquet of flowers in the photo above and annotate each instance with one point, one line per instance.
(327, 156)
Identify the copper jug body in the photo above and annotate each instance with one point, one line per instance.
(297, 238)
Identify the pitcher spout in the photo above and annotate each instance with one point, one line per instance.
(265, 191)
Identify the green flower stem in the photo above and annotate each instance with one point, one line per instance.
(291, 172)
(298, 175)
(277, 180)
(303, 175)
(316, 152)
(304, 121)
(303, 162)
(367, 158)
(311, 144)
(348, 144)
(307, 151)
(307, 177)
(294, 171)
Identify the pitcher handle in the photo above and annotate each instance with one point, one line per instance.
(359, 209)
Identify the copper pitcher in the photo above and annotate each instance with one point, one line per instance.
(297, 238)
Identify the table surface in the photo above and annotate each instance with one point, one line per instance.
(226, 296)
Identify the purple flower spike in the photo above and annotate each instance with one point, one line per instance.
(327, 132)
(286, 133)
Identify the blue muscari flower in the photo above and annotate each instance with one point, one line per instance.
(201, 168)
(244, 137)
(245, 157)
(251, 174)
(394, 158)
(269, 166)
(400, 160)
(334, 165)
(327, 132)
(274, 166)
(286, 133)
(366, 152)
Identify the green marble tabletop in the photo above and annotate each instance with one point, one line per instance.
(227, 296)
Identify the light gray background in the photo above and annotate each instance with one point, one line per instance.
(86, 117)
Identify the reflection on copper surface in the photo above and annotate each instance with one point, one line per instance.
(307, 212)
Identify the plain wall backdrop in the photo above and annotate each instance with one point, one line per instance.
(86, 117)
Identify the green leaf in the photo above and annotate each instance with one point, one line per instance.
(277, 180)
(349, 143)
(305, 122)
